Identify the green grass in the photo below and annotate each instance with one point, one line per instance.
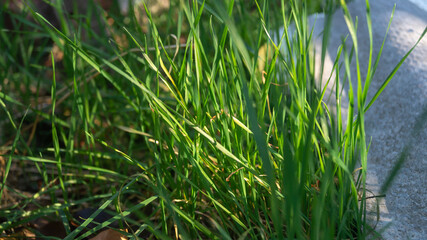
(182, 140)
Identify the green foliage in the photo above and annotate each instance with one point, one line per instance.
(188, 140)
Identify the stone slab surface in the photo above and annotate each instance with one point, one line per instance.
(391, 120)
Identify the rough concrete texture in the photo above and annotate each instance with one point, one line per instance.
(391, 120)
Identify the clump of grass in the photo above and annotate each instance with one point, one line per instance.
(190, 141)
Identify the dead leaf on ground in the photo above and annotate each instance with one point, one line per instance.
(22, 233)
(58, 55)
(109, 234)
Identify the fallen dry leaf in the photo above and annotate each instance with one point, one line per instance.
(109, 234)
(58, 55)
